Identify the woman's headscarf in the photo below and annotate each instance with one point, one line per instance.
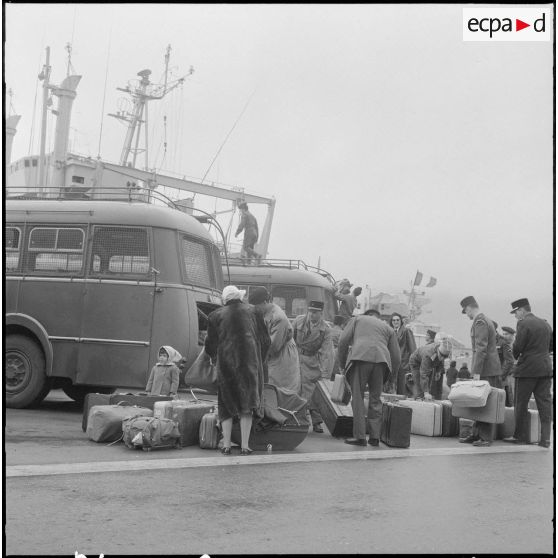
(232, 293)
(174, 355)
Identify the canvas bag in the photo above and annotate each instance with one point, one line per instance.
(202, 374)
(150, 432)
(473, 393)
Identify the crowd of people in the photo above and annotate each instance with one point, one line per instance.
(253, 341)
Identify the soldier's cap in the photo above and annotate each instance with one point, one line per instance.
(258, 295)
(519, 303)
(508, 330)
(468, 301)
(316, 305)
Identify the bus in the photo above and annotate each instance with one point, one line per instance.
(291, 283)
(93, 288)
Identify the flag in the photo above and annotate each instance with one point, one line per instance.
(432, 282)
(418, 278)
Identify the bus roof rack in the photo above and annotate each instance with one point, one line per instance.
(283, 263)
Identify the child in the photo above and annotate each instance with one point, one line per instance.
(163, 379)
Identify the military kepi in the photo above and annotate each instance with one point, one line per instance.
(316, 305)
(467, 301)
(520, 303)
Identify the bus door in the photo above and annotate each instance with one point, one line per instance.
(117, 308)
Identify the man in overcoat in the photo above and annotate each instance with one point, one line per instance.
(485, 365)
(311, 335)
(533, 371)
(374, 357)
(507, 361)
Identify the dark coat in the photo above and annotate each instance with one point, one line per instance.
(237, 337)
(407, 345)
(483, 341)
(531, 347)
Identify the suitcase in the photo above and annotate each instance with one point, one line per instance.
(209, 431)
(188, 415)
(147, 401)
(105, 421)
(337, 417)
(533, 427)
(506, 428)
(391, 397)
(472, 393)
(340, 391)
(465, 427)
(493, 412)
(92, 399)
(162, 409)
(149, 433)
(427, 417)
(450, 424)
(396, 425)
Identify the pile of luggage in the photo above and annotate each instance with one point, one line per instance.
(148, 422)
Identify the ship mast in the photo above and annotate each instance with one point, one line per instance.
(44, 76)
(144, 92)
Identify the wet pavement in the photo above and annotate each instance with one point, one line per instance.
(438, 496)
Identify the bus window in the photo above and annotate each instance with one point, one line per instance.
(12, 238)
(290, 298)
(198, 263)
(123, 250)
(56, 249)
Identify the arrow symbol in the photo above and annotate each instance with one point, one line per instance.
(519, 25)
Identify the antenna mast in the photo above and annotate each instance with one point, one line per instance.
(141, 95)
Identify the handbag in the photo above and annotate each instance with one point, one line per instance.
(202, 374)
(472, 393)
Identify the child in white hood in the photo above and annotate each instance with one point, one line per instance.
(163, 379)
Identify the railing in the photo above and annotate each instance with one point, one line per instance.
(284, 263)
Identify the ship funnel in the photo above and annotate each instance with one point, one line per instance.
(66, 94)
(11, 125)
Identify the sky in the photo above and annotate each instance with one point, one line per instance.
(390, 144)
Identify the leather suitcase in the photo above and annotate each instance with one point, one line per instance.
(105, 421)
(396, 425)
(147, 401)
(92, 399)
(337, 417)
(340, 391)
(391, 397)
(188, 415)
(465, 427)
(209, 431)
(493, 412)
(506, 428)
(533, 427)
(450, 424)
(162, 409)
(427, 417)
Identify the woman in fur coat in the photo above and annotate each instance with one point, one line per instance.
(237, 340)
(407, 345)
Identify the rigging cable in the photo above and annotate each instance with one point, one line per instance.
(228, 135)
(32, 135)
(104, 94)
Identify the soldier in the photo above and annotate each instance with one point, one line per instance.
(311, 335)
(507, 361)
(427, 365)
(249, 225)
(533, 371)
(485, 366)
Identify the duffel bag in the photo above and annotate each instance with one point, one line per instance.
(148, 433)
(470, 393)
(104, 423)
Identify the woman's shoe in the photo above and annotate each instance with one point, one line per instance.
(246, 451)
(226, 451)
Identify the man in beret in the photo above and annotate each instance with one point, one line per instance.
(374, 357)
(249, 225)
(533, 371)
(311, 335)
(507, 361)
(427, 366)
(282, 357)
(485, 365)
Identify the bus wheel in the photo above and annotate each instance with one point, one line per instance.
(78, 393)
(24, 372)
